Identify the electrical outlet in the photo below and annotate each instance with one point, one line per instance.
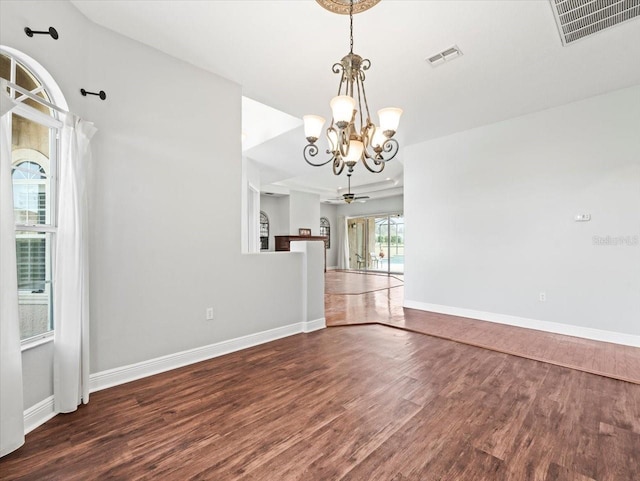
(209, 313)
(543, 296)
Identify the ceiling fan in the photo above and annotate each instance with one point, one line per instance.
(349, 197)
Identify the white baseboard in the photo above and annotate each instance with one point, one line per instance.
(555, 327)
(38, 414)
(41, 412)
(123, 374)
(315, 325)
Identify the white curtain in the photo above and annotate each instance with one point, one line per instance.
(71, 275)
(11, 403)
(343, 243)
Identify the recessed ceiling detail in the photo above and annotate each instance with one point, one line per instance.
(577, 19)
(445, 56)
(342, 6)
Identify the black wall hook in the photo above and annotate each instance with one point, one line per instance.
(100, 94)
(52, 31)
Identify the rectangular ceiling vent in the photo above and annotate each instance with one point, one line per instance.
(577, 19)
(445, 56)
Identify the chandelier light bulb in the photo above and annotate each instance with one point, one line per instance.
(355, 151)
(342, 108)
(312, 127)
(378, 139)
(389, 120)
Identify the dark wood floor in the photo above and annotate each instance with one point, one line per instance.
(354, 298)
(358, 403)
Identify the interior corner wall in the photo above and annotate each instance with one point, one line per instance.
(304, 212)
(490, 216)
(165, 200)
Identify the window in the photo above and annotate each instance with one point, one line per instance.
(325, 230)
(34, 148)
(264, 231)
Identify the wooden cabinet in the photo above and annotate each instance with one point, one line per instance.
(283, 243)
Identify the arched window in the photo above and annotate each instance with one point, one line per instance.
(325, 230)
(28, 170)
(30, 186)
(264, 231)
(34, 131)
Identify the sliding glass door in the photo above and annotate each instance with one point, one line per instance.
(390, 243)
(376, 243)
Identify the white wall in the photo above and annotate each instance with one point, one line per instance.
(37, 374)
(490, 216)
(312, 280)
(304, 212)
(166, 198)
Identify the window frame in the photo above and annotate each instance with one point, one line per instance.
(54, 124)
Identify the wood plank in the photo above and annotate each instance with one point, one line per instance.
(619, 458)
(353, 403)
(384, 306)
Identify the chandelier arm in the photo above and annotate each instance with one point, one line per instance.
(367, 136)
(312, 151)
(368, 154)
(343, 144)
(338, 164)
(364, 94)
(339, 69)
(358, 83)
(390, 146)
(379, 163)
(340, 84)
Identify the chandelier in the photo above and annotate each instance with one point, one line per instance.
(352, 135)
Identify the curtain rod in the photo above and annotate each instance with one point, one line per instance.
(26, 93)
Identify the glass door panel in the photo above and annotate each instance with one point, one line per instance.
(377, 244)
(396, 244)
(357, 243)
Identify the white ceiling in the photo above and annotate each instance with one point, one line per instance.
(281, 52)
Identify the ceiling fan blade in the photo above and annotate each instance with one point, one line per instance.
(361, 197)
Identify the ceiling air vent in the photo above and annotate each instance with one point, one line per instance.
(577, 19)
(445, 56)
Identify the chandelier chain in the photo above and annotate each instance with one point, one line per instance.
(351, 26)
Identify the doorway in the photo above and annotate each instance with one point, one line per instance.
(376, 243)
